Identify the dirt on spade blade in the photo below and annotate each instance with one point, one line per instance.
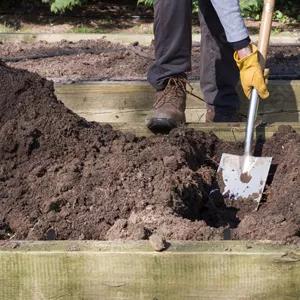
(62, 177)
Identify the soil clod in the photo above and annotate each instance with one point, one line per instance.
(157, 242)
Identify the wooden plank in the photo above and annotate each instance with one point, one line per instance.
(193, 116)
(120, 102)
(124, 38)
(284, 102)
(225, 131)
(132, 270)
(133, 116)
(144, 39)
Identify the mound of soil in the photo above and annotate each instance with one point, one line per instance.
(103, 60)
(62, 177)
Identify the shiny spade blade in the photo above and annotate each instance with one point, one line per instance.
(244, 177)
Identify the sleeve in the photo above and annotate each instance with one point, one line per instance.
(229, 13)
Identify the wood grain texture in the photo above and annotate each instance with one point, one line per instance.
(285, 38)
(225, 131)
(132, 270)
(127, 106)
(124, 102)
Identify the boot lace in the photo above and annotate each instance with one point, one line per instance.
(174, 89)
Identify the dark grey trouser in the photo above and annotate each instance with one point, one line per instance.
(173, 42)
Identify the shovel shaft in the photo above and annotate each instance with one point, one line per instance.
(251, 122)
(264, 38)
(265, 30)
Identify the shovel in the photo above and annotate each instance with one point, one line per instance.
(244, 177)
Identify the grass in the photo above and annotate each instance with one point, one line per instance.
(6, 29)
(107, 28)
(87, 29)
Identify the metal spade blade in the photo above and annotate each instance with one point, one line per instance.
(244, 177)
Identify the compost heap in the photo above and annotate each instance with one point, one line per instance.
(62, 177)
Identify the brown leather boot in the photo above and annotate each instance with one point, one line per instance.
(219, 115)
(169, 106)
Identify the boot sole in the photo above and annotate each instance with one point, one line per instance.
(157, 125)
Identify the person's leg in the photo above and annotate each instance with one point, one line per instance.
(173, 43)
(173, 40)
(218, 72)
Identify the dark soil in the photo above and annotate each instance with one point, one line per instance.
(102, 60)
(62, 177)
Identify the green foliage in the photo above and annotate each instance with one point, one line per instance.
(145, 2)
(288, 11)
(56, 6)
(150, 3)
(62, 5)
(251, 8)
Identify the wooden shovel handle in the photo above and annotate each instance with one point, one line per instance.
(265, 30)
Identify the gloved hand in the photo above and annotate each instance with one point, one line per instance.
(251, 74)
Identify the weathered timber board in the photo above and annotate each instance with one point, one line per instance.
(225, 131)
(144, 39)
(132, 270)
(125, 102)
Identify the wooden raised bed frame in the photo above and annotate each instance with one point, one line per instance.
(126, 105)
(132, 270)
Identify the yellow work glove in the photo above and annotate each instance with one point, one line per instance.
(251, 74)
